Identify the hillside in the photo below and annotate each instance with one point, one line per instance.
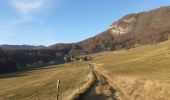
(130, 31)
(12, 60)
(41, 83)
(138, 73)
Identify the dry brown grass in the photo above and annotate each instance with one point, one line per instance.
(41, 84)
(89, 82)
(142, 73)
(130, 88)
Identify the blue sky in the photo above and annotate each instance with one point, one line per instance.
(46, 22)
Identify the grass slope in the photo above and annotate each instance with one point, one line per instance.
(138, 73)
(141, 73)
(41, 84)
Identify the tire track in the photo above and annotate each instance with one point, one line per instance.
(101, 90)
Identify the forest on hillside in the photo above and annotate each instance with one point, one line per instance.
(12, 60)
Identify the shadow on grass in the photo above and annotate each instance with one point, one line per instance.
(14, 75)
(26, 72)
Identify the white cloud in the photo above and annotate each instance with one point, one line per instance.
(26, 7)
(29, 7)
(33, 8)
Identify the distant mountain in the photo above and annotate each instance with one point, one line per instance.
(130, 31)
(21, 47)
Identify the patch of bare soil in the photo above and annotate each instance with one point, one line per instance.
(101, 90)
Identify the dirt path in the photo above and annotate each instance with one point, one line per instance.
(101, 90)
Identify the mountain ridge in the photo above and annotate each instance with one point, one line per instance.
(134, 29)
(7, 46)
(130, 31)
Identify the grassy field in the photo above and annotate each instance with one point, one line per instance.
(41, 84)
(141, 73)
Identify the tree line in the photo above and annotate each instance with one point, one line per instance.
(12, 60)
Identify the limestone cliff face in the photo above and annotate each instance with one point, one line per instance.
(131, 30)
(154, 21)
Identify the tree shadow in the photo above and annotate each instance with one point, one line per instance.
(14, 75)
(26, 72)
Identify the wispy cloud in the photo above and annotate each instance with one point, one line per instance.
(27, 13)
(26, 7)
(32, 8)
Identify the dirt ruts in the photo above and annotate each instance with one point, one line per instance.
(101, 90)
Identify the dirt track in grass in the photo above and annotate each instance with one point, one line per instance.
(101, 90)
